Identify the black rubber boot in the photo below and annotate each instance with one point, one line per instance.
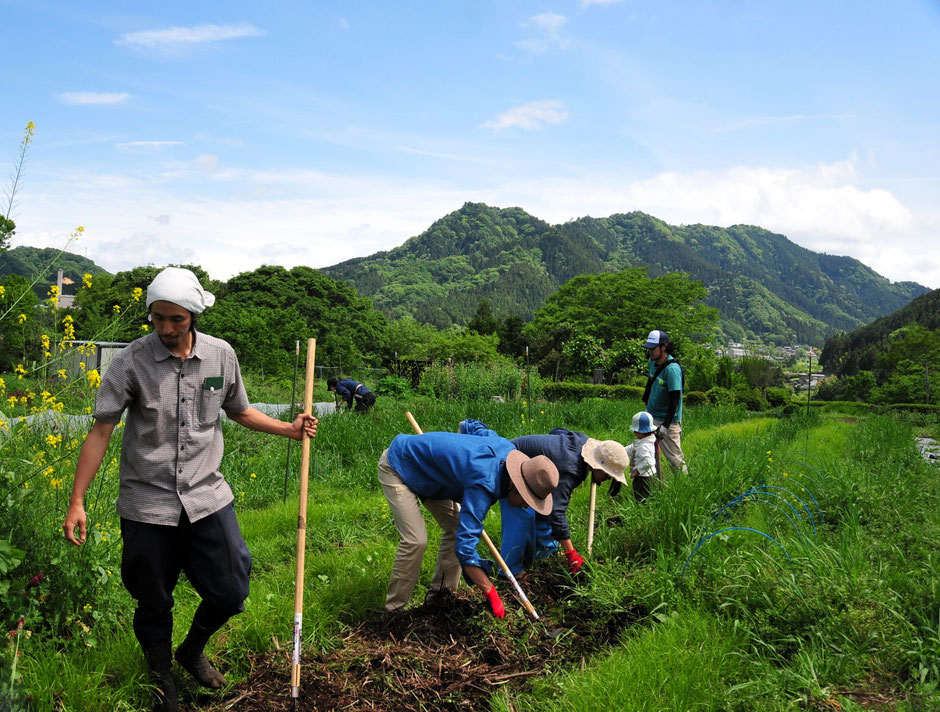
(160, 664)
(192, 657)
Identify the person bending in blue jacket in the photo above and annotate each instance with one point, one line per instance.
(352, 392)
(528, 535)
(458, 478)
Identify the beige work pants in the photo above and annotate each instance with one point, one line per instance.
(406, 511)
(671, 446)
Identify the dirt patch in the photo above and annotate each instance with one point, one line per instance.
(446, 654)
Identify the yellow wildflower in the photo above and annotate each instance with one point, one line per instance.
(21, 319)
(86, 279)
(137, 294)
(116, 308)
(94, 378)
(144, 328)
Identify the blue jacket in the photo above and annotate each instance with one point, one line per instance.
(346, 389)
(463, 468)
(563, 447)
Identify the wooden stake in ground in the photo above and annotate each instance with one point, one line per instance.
(302, 525)
(591, 516)
(489, 543)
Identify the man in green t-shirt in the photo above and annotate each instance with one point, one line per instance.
(663, 397)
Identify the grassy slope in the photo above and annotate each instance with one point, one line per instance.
(743, 630)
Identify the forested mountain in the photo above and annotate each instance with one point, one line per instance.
(764, 286)
(847, 354)
(31, 261)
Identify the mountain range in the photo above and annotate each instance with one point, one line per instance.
(765, 286)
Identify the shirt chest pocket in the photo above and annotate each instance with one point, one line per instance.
(208, 407)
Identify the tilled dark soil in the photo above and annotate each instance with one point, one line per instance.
(446, 654)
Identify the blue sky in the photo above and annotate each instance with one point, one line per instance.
(236, 134)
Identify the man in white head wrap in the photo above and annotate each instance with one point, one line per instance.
(175, 506)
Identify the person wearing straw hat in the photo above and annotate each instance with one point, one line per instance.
(576, 456)
(458, 478)
(528, 535)
(663, 397)
(175, 506)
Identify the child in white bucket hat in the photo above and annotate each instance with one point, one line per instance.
(642, 452)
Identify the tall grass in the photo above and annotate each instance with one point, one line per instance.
(854, 608)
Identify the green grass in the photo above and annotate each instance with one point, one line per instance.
(856, 607)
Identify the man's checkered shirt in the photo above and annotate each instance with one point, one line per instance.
(172, 443)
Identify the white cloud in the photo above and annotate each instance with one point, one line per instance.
(173, 39)
(92, 98)
(145, 146)
(529, 116)
(312, 218)
(549, 25)
(207, 162)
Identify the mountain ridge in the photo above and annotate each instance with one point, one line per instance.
(765, 286)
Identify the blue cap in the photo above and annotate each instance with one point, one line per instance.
(642, 423)
(656, 338)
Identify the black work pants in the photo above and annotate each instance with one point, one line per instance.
(212, 554)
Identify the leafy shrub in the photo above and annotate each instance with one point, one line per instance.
(694, 398)
(470, 381)
(720, 396)
(778, 397)
(565, 390)
(751, 399)
(393, 386)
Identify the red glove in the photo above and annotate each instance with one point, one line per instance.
(575, 560)
(496, 603)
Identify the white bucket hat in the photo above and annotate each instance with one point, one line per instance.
(608, 456)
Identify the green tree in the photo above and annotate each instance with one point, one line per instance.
(19, 322)
(7, 228)
(617, 310)
(350, 333)
(484, 321)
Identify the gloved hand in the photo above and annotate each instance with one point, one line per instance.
(496, 603)
(575, 561)
(660, 432)
(614, 488)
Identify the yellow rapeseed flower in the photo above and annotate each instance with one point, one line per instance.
(21, 319)
(116, 308)
(94, 378)
(137, 294)
(86, 279)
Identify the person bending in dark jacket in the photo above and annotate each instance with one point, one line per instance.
(527, 536)
(352, 391)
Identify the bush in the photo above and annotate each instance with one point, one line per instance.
(720, 396)
(694, 398)
(394, 387)
(470, 381)
(751, 399)
(565, 390)
(778, 397)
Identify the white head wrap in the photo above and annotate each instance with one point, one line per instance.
(179, 286)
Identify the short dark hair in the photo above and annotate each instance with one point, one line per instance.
(331, 383)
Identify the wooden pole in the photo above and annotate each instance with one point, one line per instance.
(293, 397)
(489, 543)
(302, 524)
(591, 518)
